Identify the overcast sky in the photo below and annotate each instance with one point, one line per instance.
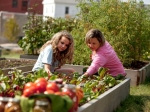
(145, 1)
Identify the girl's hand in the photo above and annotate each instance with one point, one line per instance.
(56, 68)
(86, 74)
(49, 74)
(47, 69)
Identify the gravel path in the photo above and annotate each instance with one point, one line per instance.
(9, 63)
(10, 46)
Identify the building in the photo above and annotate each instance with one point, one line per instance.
(52, 8)
(60, 8)
(21, 6)
(18, 9)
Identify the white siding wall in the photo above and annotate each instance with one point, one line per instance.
(73, 10)
(60, 10)
(49, 10)
(56, 8)
(61, 1)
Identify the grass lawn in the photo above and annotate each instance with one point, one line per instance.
(138, 100)
(11, 54)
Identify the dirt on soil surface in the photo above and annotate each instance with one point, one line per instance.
(10, 63)
(136, 65)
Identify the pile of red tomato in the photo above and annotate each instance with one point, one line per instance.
(41, 85)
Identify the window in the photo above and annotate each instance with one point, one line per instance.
(24, 5)
(14, 3)
(67, 10)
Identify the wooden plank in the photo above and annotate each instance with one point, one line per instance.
(24, 68)
(5, 71)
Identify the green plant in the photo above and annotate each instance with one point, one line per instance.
(11, 30)
(81, 52)
(38, 31)
(124, 24)
(34, 37)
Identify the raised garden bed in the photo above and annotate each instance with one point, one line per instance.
(103, 103)
(11, 63)
(109, 100)
(28, 56)
(137, 76)
(8, 64)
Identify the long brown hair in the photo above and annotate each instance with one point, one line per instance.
(95, 33)
(65, 56)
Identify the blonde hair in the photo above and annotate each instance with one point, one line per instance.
(64, 56)
(95, 33)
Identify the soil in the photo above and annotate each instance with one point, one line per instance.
(10, 63)
(136, 65)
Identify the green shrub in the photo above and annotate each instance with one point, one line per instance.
(11, 30)
(124, 24)
(38, 31)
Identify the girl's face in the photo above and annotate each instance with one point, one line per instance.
(93, 44)
(63, 44)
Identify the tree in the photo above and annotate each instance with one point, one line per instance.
(11, 30)
(124, 24)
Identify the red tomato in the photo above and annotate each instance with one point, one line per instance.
(52, 86)
(69, 93)
(40, 87)
(41, 80)
(29, 91)
(28, 85)
(59, 93)
(49, 92)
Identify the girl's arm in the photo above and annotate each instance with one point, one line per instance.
(47, 69)
(57, 68)
(98, 61)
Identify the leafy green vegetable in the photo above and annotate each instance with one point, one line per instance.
(58, 103)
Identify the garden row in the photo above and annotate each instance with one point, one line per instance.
(121, 91)
(107, 98)
(137, 76)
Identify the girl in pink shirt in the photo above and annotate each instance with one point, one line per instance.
(103, 55)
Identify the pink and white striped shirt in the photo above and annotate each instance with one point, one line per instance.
(106, 57)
